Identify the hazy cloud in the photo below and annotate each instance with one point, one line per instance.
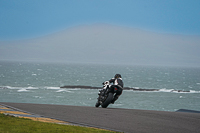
(106, 44)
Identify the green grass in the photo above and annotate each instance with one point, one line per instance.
(11, 124)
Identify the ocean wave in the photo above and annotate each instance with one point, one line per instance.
(18, 88)
(64, 90)
(166, 90)
(52, 88)
(22, 90)
(178, 91)
(137, 89)
(61, 89)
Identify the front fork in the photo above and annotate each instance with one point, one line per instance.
(103, 95)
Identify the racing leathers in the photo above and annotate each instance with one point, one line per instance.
(118, 86)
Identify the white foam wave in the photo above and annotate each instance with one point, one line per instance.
(22, 90)
(64, 90)
(165, 90)
(61, 90)
(136, 87)
(9, 87)
(52, 88)
(4, 87)
(193, 91)
(18, 88)
(58, 88)
(30, 88)
(178, 91)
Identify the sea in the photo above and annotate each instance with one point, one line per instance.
(176, 87)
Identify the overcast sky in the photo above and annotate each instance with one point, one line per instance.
(150, 32)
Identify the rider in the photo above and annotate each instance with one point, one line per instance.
(118, 85)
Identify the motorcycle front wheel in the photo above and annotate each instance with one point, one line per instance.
(97, 104)
(108, 100)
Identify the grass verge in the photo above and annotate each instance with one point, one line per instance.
(11, 124)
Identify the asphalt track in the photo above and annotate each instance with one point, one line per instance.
(122, 120)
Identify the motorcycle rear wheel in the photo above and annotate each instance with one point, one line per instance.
(107, 101)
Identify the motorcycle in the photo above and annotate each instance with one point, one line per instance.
(106, 95)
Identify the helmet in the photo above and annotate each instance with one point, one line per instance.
(117, 76)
